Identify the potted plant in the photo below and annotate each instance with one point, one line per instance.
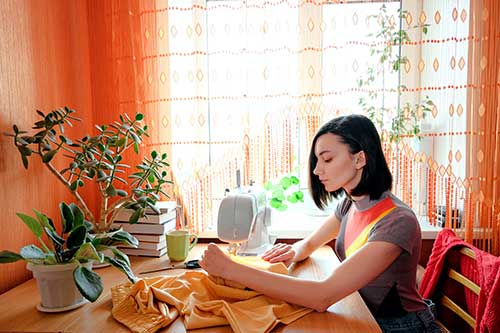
(63, 268)
(98, 159)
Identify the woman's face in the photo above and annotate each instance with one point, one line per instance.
(337, 167)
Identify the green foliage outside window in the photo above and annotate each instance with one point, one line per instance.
(406, 118)
(286, 191)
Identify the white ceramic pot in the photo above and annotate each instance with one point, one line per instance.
(56, 286)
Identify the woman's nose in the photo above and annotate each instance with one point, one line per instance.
(316, 170)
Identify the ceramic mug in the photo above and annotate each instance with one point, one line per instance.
(179, 243)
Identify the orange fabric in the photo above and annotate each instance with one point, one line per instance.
(202, 301)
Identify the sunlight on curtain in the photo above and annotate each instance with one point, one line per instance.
(234, 98)
(453, 171)
(251, 82)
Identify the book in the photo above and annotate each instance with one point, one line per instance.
(148, 245)
(144, 252)
(151, 238)
(146, 228)
(163, 206)
(124, 216)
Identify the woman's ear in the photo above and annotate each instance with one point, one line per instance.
(360, 160)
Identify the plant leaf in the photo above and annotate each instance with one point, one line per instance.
(121, 193)
(120, 255)
(294, 180)
(32, 223)
(43, 219)
(31, 252)
(8, 256)
(282, 207)
(88, 283)
(49, 156)
(136, 215)
(110, 190)
(275, 203)
(25, 161)
(299, 195)
(122, 238)
(122, 266)
(88, 251)
(67, 217)
(77, 237)
(279, 194)
(73, 186)
(77, 214)
(285, 182)
(56, 239)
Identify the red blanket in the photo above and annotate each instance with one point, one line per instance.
(488, 268)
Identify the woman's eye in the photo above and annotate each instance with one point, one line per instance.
(327, 160)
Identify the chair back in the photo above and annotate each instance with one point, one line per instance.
(457, 292)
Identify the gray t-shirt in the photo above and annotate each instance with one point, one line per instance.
(394, 292)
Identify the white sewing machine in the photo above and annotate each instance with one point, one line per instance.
(243, 221)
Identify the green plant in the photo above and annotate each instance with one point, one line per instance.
(286, 190)
(98, 159)
(404, 121)
(73, 244)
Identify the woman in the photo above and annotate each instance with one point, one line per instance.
(378, 236)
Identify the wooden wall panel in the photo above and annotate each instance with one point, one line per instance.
(44, 64)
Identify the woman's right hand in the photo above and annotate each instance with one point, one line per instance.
(280, 253)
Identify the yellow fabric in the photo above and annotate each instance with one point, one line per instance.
(258, 262)
(202, 301)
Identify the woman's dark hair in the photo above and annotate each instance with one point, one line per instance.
(359, 133)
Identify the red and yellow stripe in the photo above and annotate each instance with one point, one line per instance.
(360, 224)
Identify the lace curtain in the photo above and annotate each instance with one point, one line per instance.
(244, 85)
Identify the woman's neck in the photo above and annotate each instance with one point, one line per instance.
(358, 198)
(355, 198)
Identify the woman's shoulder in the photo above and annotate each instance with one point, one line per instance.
(402, 214)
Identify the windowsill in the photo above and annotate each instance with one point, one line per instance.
(298, 225)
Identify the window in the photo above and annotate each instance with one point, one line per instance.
(241, 68)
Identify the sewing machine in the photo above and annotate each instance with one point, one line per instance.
(242, 222)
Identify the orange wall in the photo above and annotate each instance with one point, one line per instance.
(44, 64)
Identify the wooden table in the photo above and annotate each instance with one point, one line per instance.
(18, 306)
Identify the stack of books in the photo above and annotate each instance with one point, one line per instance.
(150, 230)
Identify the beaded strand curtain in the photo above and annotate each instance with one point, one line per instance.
(244, 85)
(455, 166)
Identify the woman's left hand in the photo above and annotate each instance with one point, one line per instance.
(216, 262)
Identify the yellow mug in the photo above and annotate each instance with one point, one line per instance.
(179, 243)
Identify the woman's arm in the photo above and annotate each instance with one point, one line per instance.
(352, 274)
(303, 248)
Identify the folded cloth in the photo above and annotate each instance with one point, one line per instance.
(202, 301)
(488, 268)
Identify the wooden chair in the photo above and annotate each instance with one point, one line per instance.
(457, 292)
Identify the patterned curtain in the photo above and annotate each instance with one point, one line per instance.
(244, 85)
(455, 166)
